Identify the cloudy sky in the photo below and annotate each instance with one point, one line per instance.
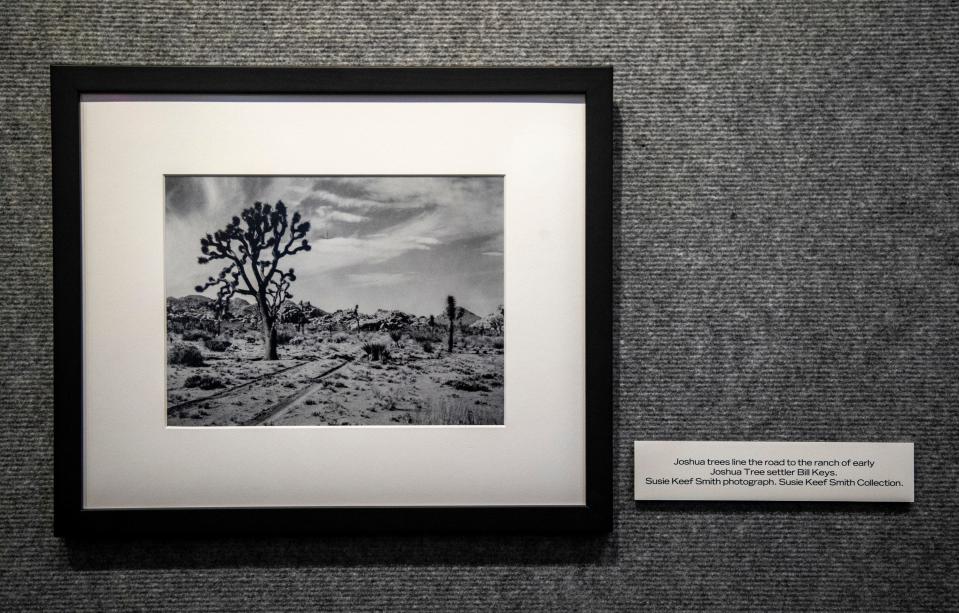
(380, 242)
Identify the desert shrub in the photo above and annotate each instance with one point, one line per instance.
(340, 338)
(493, 379)
(427, 346)
(180, 323)
(376, 351)
(396, 335)
(372, 350)
(498, 343)
(185, 355)
(217, 344)
(482, 341)
(283, 338)
(204, 382)
(466, 385)
(384, 400)
(195, 335)
(423, 335)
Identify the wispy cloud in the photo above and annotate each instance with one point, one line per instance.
(378, 278)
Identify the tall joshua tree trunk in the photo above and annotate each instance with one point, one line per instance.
(268, 328)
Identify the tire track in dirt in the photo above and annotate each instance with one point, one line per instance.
(282, 406)
(227, 392)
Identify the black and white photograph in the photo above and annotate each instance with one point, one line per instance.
(334, 300)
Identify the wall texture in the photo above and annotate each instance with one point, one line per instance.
(787, 267)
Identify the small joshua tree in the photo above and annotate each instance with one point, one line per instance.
(296, 314)
(499, 320)
(252, 246)
(432, 326)
(453, 314)
(221, 309)
(356, 317)
(309, 312)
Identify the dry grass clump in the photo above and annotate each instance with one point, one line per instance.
(457, 412)
(376, 352)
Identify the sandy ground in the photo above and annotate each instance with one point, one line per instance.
(324, 379)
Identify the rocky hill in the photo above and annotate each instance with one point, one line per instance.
(185, 303)
(190, 313)
(469, 318)
(491, 323)
(382, 319)
(196, 312)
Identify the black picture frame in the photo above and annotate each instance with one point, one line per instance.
(69, 83)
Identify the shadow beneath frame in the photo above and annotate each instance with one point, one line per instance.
(337, 551)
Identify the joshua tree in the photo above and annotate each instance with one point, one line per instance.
(453, 314)
(299, 314)
(356, 316)
(294, 314)
(432, 326)
(221, 309)
(310, 313)
(253, 245)
(499, 320)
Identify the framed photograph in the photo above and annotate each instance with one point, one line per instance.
(298, 300)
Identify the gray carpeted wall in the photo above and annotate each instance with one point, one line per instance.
(787, 267)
